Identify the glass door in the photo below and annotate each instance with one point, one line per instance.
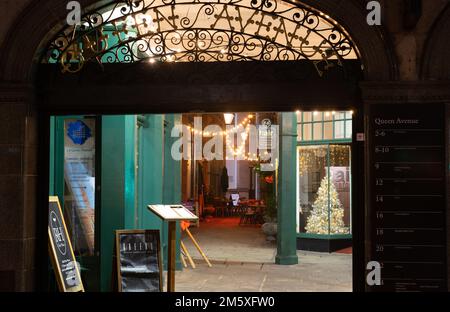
(76, 181)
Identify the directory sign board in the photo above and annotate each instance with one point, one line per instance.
(407, 197)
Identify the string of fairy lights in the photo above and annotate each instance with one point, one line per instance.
(228, 134)
(307, 158)
(313, 158)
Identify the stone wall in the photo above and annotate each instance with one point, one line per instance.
(18, 188)
(409, 44)
(9, 11)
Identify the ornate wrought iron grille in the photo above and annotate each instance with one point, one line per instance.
(201, 31)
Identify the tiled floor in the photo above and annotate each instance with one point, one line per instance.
(244, 261)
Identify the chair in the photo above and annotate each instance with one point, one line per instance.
(234, 204)
(221, 208)
(248, 217)
(259, 217)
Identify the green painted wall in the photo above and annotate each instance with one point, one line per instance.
(172, 178)
(117, 186)
(126, 192)
(129, 171)
(150, 171)
(287, 186)
(51, 174)
(58, 156)
(159, 176)
(52, 285)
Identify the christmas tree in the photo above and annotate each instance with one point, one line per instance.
(326, 204)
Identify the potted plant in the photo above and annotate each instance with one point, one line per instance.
(269, 228)
(267, 186)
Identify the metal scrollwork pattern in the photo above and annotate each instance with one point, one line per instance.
(201, 31)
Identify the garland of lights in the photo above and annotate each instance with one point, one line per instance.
(239, 151)
(314, 157)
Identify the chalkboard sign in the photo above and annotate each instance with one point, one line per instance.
(60, 249)
(407, 196)
(138, 261)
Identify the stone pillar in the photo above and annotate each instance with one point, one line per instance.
(287, 185)
(18, 187)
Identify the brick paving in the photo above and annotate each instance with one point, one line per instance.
(244, 261)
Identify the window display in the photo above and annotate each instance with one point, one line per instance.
(324, 189)
(327, 215)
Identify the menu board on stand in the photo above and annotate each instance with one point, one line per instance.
(171, 214)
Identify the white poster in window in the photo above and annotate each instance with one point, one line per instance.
(340, 176)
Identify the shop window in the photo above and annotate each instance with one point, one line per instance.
(299, 131)
(307, 132)
(307, 117)
(317, 116)
(318, 135)
(324, 173)
(339, 130)
(348, 130)
(324, 186)
(324, 126)
(328, 131)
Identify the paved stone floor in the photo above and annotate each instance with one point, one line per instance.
(224, 239)
(244, 261)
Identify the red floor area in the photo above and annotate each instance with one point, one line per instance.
(229, 222)
(347, 251)
(224, 222)
(215, 221)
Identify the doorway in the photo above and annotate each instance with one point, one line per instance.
(225, 185)
(118, 75)
(230, 191)
(74, 177)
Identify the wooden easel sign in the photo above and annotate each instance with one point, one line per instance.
(138, 261)
(60, 250)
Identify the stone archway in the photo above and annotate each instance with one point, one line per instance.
(201, 31)
(435, 64)
(33, 27)
(19, 55)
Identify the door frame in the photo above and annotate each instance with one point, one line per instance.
(59, 183)
(192, 87)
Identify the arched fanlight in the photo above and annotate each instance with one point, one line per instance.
(124, 31)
